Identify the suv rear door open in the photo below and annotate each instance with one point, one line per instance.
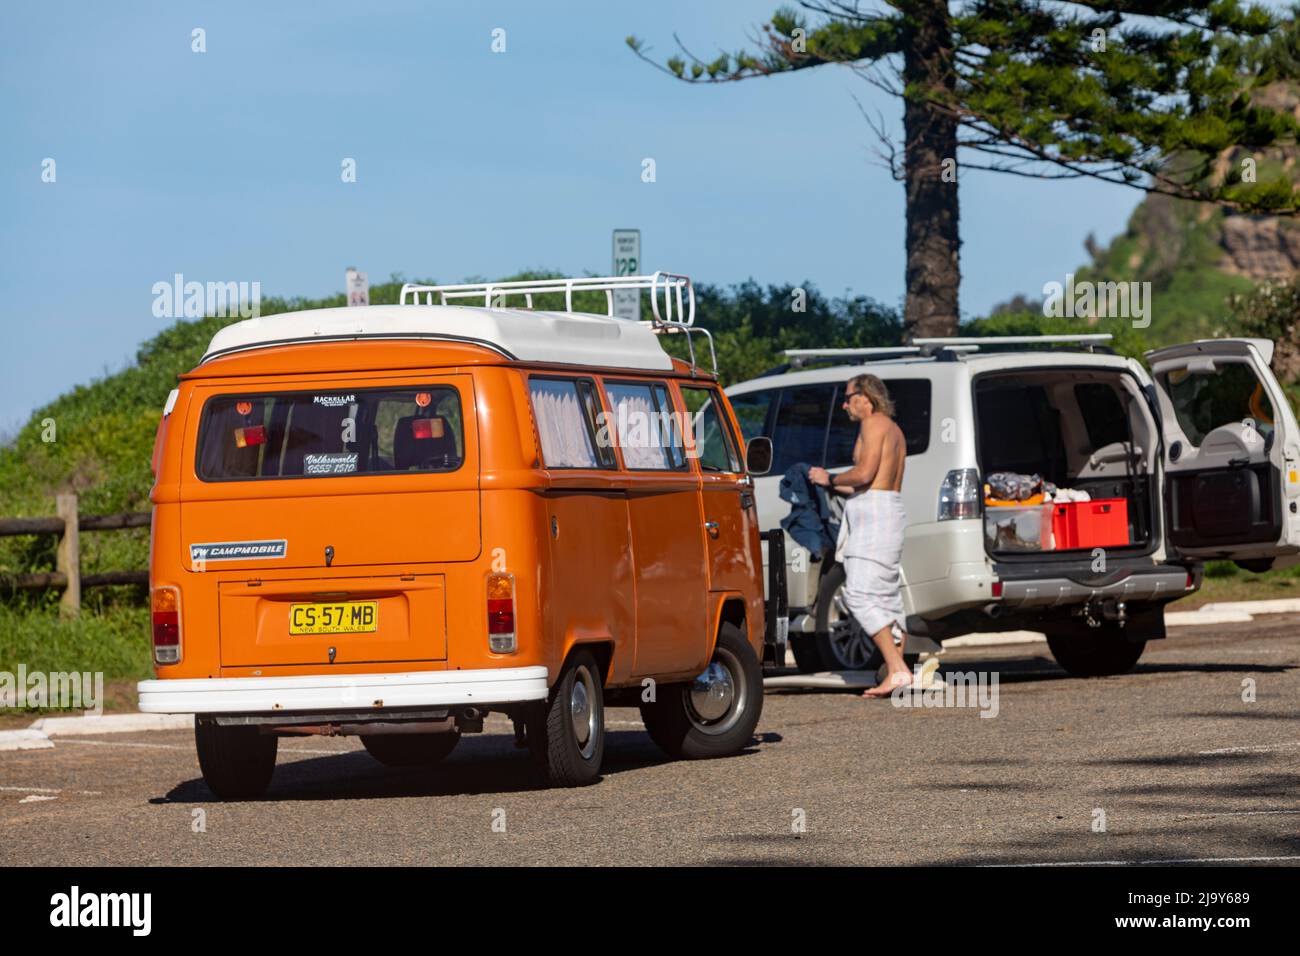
(1231, 453)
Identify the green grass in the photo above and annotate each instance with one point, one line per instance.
(1224, 581)
(114, 641)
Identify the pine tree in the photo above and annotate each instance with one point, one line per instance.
(1152, 94)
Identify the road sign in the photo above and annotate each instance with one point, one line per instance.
(627, 262)
(358, 288)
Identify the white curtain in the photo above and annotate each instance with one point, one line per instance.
(639, 430)
(561, 425)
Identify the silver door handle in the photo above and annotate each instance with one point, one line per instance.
(712, 528)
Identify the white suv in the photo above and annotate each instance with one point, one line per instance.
(1205, 451)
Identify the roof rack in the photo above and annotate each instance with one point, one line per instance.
(672, 299)
(677, 291)
(801, 357)
(974, 342)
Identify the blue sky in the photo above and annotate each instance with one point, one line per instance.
(225, 165)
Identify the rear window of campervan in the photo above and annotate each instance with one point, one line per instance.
(256, 435)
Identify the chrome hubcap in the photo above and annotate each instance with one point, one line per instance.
(712, 692)
(582, 712)
(718, 698)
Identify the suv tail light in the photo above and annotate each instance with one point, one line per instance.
(959, 495)
(501, 612)
(165, 604)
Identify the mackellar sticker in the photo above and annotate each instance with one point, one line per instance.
(333, 401)
(238, 550)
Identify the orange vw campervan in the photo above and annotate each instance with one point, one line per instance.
(390, 521)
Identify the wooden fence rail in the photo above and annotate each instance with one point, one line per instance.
(67, 574)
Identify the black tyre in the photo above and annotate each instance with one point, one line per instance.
(840, 643)
(715, 715)
(410, 750)
(567, 734)
(807, 650)
(237, 762)
(1102, 652)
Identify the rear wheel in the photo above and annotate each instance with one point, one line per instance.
(410, 750)
(714, 715)
(1102, 652)
(566, 735)
(237, 762)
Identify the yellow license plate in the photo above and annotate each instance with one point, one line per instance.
(346, 617)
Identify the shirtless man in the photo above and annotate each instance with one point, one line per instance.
(871, 537)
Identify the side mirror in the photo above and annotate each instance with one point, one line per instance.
(758, 455)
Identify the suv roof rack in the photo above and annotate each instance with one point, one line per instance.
(801, 357)
(935, 347)
(974, 342)
(672, 299)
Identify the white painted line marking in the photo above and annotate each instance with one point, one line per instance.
(125, 743)
(1208, 859)
(36, 798)
(121, 743)
(83, 793)
(1243, 750)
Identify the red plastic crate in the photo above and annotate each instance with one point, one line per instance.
(1100, 523)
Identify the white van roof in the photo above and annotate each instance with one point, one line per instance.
(570, 338)
(528, 335)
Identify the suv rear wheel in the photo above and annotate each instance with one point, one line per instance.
(237, 762)
(1101, 652)
(840, 643)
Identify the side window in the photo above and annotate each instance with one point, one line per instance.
(751, 411)
(800, 430)
(646, 425)
(1102, 413)
(911, 398)
(714, 443)
(1204, 401)
(565, 412)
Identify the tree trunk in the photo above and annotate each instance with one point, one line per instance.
(930, 174)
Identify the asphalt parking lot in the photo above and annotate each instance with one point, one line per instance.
(1168, 763)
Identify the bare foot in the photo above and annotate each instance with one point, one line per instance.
(889, 684)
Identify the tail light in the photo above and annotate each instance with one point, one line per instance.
(165, 604)
(250, 435)
(501, 612)
(997, 589)
(959, 494)
(426, 428)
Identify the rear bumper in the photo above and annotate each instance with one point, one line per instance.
(351, 692)
(1163, 583)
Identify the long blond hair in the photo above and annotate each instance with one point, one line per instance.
(874, 389)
